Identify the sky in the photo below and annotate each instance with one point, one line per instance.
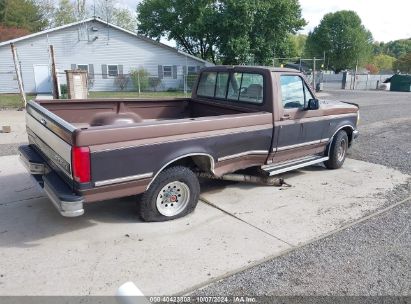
(387, 20)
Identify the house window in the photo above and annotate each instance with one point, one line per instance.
(192, 70)
(167, 71)
(83, 67)
(112, 70)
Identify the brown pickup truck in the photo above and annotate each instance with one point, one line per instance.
(238, 117)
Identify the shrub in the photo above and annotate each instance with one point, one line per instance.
(140, 78)
(121, 81)
(154, 82)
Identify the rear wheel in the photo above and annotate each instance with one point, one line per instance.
(173, 194)
(338, 151)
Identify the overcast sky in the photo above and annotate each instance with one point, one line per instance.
(387, 20)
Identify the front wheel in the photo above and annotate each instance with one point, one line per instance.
(173, 194)
(338, 151)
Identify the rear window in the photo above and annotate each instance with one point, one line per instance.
(243, 87)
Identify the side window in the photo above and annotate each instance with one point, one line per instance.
(207, 84)
(221, 85)
(252, 88)
(292, 91)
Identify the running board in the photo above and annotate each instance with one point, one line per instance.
(289, 166)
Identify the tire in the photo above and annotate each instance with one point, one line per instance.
(161, 201)
(338, 151)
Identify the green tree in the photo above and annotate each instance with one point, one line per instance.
(297, 45)
(124, 18)
(65, 13)
(227, 31)
(403, 64)
(343, 38)
(383, 62)
(140, 79)
(395, 48)
(25, 14)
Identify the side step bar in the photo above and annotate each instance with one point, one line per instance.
(289, 166)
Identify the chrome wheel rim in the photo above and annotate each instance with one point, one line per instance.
(342, 148)
(173, 198)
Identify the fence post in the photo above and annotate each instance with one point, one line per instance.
(138, 81)
(56, 87)
(18, 74)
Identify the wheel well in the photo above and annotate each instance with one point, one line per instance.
(203, 163)
(349, 132)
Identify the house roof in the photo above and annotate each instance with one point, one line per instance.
(105, 23)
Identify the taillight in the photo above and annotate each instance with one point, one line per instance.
(80, 162)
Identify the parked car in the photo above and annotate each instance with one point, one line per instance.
(238, 117)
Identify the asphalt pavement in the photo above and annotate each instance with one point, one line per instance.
(372, 258)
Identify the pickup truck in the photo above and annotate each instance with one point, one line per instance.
(238, 117)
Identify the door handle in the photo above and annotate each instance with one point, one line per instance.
(285, 117)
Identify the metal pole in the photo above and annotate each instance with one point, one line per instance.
(355, 75)
(314, 74)
(138, 81)
(19, 80)
(56, 87)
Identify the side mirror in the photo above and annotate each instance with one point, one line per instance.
(313, 104)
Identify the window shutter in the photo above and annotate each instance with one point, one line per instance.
(73, 66)
(185, 70)
(120, 69)
(160, 71)
(104, 70)
(174, 72)
(91, 71)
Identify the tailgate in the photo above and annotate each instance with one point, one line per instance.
(52, 136)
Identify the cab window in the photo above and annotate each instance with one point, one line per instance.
(246, 87)
(207, 84)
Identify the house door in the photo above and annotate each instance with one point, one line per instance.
(42, 78)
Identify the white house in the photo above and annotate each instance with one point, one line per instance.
(103, 49)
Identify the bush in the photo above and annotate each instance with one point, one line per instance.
(121, 81)
(63, 90)
(154, 82)
(140, 79)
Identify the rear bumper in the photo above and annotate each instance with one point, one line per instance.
(67, 203)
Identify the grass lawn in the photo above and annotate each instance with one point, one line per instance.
(14, 100)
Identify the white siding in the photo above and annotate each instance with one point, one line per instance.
(112, 46)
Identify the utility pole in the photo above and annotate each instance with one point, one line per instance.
(18, 74)
(54, 77)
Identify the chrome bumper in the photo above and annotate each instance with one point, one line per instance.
(60, 194)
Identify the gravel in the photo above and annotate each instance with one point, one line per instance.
(370, 258)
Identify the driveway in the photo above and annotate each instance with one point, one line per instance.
(236, 226)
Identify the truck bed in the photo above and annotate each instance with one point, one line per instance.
(89, 113)
(136, 138)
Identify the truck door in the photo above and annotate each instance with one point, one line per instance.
(299, 131)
